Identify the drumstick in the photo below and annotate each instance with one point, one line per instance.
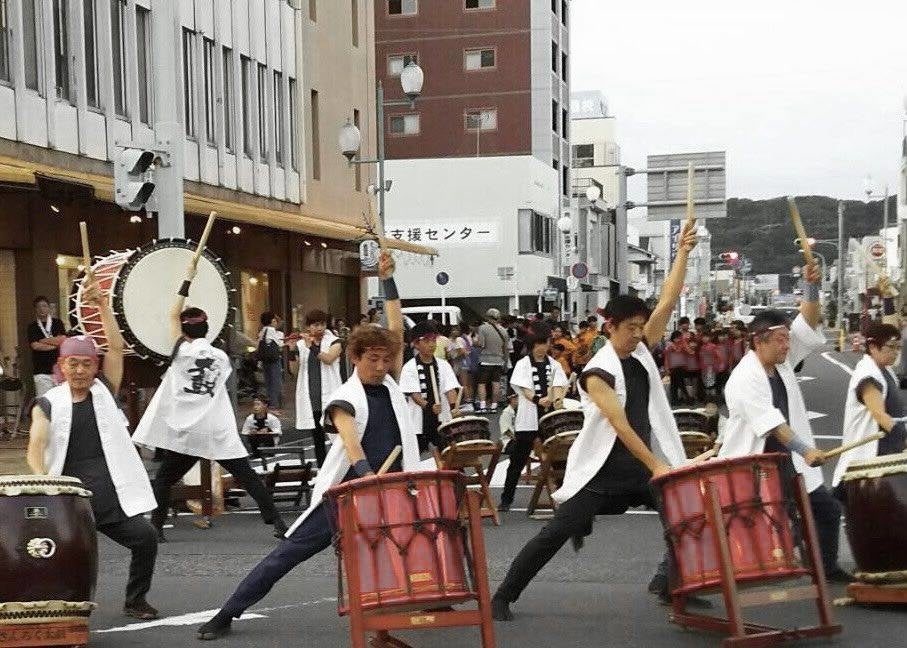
(691, 210)
(801, 231)
(850, 446)
(202, 241)
(391, 458)
(434, 383)
(86, 251)
(708, 454)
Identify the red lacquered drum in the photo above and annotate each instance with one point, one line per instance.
(48, 550)
(757, 522)
(407, 538)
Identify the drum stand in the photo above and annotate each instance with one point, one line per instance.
(753, 635)
(879, 590)
(460, 456)
(39, 635)
(382, 621)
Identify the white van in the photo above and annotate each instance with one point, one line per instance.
(442, 314)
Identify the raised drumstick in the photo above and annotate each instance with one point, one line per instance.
(86, 251)
(391, 458)
(850, 446)
(708, 454)
(801, 231)
(203, 241)
(691, 210)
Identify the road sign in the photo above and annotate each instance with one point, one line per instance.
(550, 294)
(579, 270)
(667, 185)
(572, 283)
(877, 250)
(442, 278)
(368, 255)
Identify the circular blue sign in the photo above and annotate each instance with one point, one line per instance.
(442, 278)
(580, 270)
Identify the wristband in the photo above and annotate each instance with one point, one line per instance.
(811, 292)
(888, 306)
(797, 445)
(362, 467)
(898, 428)
(184, 289)
(536, 399)
(390, 289)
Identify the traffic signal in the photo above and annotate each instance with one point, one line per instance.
(133, 183)
(729, 257)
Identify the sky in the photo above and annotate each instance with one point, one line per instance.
(806, 97)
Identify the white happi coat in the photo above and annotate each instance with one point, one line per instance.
(594, 443)
(858, 421)
(330, 381)
(411, 382)
(337, 463)
(525, 375)
(191, 411)
(127, 472)
(749, 399)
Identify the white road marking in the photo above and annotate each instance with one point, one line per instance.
(182, 620)
(847, 370)
(805, 378)
(827, 437)
(815, 415)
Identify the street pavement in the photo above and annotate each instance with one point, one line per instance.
(595, 597)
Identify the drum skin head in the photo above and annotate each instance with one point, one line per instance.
(147, 287)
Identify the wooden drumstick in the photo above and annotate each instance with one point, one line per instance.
(203, 241)
(434, 383)
(391, 458)
(850, 446)
(86, 251)
(801, 231)
(708, 454)
(691, 210)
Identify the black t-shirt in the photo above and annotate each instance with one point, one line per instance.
(540, 381)
(43, 361)
(314, 375)
(382, 432)
(430, 420)
(893, 442)
(779, 401)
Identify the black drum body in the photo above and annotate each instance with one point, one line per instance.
(465, 428)
(558, 421)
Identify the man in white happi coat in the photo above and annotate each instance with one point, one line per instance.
(318, 376)
(370, 417)
(767, 413)
(191, 417)
(629, 435)
(78, 430)
(873, 403)
(431, 387)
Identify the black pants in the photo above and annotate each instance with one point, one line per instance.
(319, 439)
(137, 535)
(678, 386)
(519, 450)
(175, 465)
(572, 518)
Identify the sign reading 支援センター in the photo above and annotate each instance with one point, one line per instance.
(445, 234)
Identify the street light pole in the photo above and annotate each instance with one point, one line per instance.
(839, 316)
(379, 108)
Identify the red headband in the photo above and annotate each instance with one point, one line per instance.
(195, 319)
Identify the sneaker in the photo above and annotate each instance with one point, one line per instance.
(280, 527)
(500, 610)
(140, 610)
(217, 627)
(838, 575)
(503, 508)
(658, 584)
(578, 541)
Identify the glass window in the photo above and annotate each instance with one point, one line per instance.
(534, 232)
(263, 112)
(228, 98)
(404, 124)
(584, 155)
(554, 56)
(118, 42)
(564, 12)
(208, 68)
(478, 59)
(294, 125)
(5, 73)
(248, 108)
(61, 49)
(316, 138)
(33, 41)
(564, 66)
(565, 122)
(313, 10)
(143, 60)
(402, 7)
(189, 81)
(396, 63)
(354, 21)
(278, 117)
(479, 4)
(565, 180)
(485, 119)
(91, 54)
(555, 113)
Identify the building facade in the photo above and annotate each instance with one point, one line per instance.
(262, 87)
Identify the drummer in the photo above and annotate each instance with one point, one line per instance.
(421, 376)
(370, 416)
(78, 430)
(873, 401)
(540, 384)
(626, 414)
(191, 417)
(766, 411)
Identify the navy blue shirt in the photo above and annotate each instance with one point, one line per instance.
(894, 441)
(382, 432)
(779, 401)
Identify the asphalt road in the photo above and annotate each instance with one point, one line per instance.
(593, 598)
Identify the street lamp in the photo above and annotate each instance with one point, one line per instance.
(593, 193)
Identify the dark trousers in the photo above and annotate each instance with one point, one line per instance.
(572, 518)
(678, 386)
(310, 538)
(273, 371)
(137, 535)
(827, 514)
(519, 450)
(175, 465)
(319, 440)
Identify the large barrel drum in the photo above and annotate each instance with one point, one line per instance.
(48, 550)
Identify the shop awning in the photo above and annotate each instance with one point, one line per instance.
(17, 171)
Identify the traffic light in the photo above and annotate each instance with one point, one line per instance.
(132, 180)
(729, 257)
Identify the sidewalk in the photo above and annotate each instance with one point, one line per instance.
(12, 456)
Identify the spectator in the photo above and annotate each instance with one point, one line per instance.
(683, 324)
(560, 335)
(507, 422)
(261, 428)
(708, 363)
(738, 338)
(492, 339)
(584, 341)
(722, 367)
(601, 340)
(442, 341)
(676, 368)
(372, 315)
(45, 335)
(270, 353)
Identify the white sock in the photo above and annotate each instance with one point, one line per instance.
(481, 404)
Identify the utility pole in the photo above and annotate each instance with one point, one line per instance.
(839, 318)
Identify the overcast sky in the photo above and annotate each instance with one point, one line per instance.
(807, 97)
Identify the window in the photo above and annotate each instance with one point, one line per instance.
(33, 44)
(294, 127)
(564, 12)
(357, 166)
(554, 7)
(555, 113)
(583, 155)
(404, 124)
(565, 180)
(485, 119)
(143, 60)
(554, 56)
(5, 74)
(263, 111)
(402, 7)
(479, 4)
(565, 123)
(479, 59)
(397, 62)
(61, 49)
(91, 55)
(278, 117)
(228, 98)
(354, 21)
(208, 69)
(189, 81)
(248, 108)
(316, 138)
(313, 10)
(118, 42)
(564, 65)
(534, 232)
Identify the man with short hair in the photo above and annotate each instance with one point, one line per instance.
(494, 343)
(45, 335)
